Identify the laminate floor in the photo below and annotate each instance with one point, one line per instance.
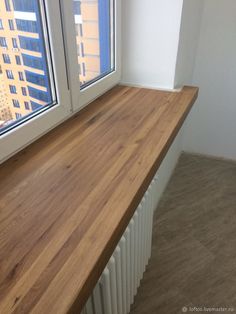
(193, 263)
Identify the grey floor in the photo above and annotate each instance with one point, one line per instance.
(193, 261)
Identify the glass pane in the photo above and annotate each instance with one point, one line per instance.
(95, 34)
(25, 79)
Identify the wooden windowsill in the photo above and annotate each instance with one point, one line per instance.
(66, 199)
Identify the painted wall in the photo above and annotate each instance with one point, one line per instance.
(211, 126)
(168, 165)
(150, 42)
(188, 41)
(196, 45)
(159, 52)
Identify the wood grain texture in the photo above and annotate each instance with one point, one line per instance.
(66, 199)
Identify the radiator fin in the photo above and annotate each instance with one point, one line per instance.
(119, 282)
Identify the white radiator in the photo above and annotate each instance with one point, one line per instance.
(118, 284)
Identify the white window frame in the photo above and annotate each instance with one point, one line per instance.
(62, 38)
(80, 98)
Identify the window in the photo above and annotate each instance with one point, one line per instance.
(82, 49)
(39, 94)
(16, 103)
(18, 61)
(25, 6)
(11, 25)
(1, 25)
(35, 78)
(30, 44)
(96, 38)
(26, 26)
(27, 107)
(30, 18)
(40, 77)
(3, 42)
(24, 92)
(21, 76)
(7, 5)
(80, 30)
(14, 43)
(6, 58)
(12, 89)
(35, 106)
(33, 62)
(10, 75)
(77, 7)
(84, 71)
(18, 116)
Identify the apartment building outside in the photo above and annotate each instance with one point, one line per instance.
(5, 109)
(93, 30)
(23, 57)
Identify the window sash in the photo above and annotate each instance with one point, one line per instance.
(65, 68)
(38, 124)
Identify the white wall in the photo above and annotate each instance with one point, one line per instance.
(150, 42)
(159, 52)
(211, 127)
(199, 49)
(188, 41)
(168, 165)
